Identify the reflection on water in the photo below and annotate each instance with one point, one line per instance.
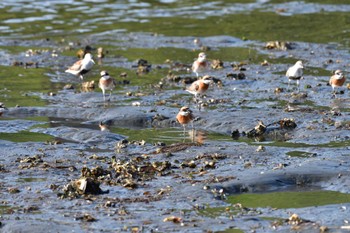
(198, 136)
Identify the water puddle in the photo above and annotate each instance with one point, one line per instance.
(25, 136)
(169, 135)
(286, 200)
(30, 179)
(300, 154)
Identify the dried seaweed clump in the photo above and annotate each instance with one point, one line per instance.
(131, 173)
(287, 123)
(88, 183)
(258, 130)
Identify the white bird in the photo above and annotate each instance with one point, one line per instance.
(295, 72)
(106, 83)
(82, 66)
(200, 64)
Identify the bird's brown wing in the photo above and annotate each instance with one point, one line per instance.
(194, 86)
(76, 66)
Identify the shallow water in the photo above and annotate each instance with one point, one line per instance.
(39, 41)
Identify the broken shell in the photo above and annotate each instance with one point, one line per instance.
(87, 186)
(279, 90)
(68, 87)
(294, 219)
(173, 219)
(217, 64)
(264, 63)
(260, 149)
(136, 103)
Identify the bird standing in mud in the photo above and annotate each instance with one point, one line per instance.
(82, 66)
(106, 83)
(337, 80)
(200, 64)
(185, 117)
(295, 73)
(199, 87)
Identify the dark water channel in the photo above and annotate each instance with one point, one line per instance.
(209, 179)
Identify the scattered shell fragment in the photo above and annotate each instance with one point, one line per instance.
(136, 103)
(68, 87)
(260, 148)
(279, 90)
(265, 63)
(294, 219)
(173, 219)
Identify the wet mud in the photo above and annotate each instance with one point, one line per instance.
(252, 134)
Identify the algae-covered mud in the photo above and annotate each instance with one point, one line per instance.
(263, 156)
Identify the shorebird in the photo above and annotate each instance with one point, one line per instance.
(200, 86)
(105, 125)
(185, 117)
(295, 72)
(337, 80)
(200, 64)
(106, 83)
(82, 66)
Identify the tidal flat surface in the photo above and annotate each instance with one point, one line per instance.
(60, 172)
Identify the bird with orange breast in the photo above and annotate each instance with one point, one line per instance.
(106, 83)
(295, 72)
(200, 64)
(185, 117)
(82, 66)
(337, 80)
(200, 86)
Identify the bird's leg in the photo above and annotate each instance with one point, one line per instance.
(104, 96)
(184, 130)
(110, 94)
(334, 92)
(288, 84)
(298, 86)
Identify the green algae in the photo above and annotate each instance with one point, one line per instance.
(286, 200)
(25, 136)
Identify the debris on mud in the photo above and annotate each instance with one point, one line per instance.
(79, 187)
(280, 45)
(174, 148)
(142, 67)
(173, 219)
(239, 76)
(134, 172)
(88, 86)
(258, 130)
(217, 64)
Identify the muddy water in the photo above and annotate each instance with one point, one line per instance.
(207, 179)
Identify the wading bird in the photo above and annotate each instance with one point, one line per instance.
(106, 83)
(295, 73)
(82, 66)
